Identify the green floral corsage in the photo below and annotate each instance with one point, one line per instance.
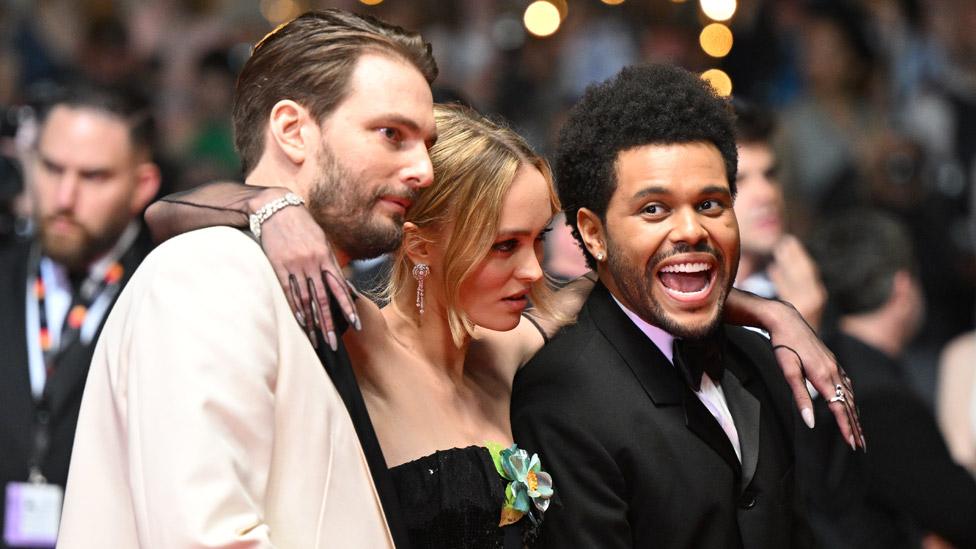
(529, 485)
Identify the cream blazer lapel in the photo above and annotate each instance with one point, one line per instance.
(209, 421)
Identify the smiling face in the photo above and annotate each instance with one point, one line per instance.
(496, 292)
(670, 236)
(373, 157)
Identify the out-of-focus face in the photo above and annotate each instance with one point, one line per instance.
(85, 176)
(496, 292)
(671, 236)
(373, 158)
(758, 200)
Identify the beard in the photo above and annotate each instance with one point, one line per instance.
(77, 250)
(342, 204)
(636, 283)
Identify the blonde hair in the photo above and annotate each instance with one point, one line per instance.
(475, 162)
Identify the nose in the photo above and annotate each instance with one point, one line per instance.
(67, 191)
(687, 227)
(419, 172)
(529, 269)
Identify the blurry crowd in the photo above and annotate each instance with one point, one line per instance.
(872, 104)
(876, 98)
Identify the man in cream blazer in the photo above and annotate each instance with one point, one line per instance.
(206, 429)
(209, 419)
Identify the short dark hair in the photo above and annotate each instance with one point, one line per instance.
(310, 59)
(858, 254)
(126, 104)
(754, 125)
(641, 105)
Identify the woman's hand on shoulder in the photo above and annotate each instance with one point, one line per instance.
(308, 271)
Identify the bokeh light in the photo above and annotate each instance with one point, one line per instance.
(719, 81)
(541, 18)
(279, 11)
(716, 40)
(719, 10)
(371, 2)
(613, 2)
(562, 6)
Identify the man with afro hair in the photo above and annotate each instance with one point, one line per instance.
(660, 426)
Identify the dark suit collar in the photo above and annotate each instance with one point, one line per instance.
(664, 387)
(701, 422)
(72, 369)
(745, 410)
(651, 368)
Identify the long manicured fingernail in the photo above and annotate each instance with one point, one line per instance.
(332, 340)
(864, 444)
(851, 440)
(807, 414)
(356, 323)
(300, 318)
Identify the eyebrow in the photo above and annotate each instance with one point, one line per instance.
(513, 232)
(710, 189)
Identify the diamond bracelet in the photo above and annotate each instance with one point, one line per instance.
(269, 209)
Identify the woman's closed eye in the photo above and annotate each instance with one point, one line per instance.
(505, 246)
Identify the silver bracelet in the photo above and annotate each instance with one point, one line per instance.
(265, 212)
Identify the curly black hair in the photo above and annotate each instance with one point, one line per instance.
(642, 105)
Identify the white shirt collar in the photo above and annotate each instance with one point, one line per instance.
(661, 338)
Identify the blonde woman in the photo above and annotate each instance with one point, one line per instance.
(436, 364)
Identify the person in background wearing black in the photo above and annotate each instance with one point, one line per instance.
(90, 176)
(906, 485)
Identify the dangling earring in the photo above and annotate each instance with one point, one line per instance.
(420, 272)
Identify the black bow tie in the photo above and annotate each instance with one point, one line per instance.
(693, 357)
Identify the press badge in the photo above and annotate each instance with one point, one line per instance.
(33, 514)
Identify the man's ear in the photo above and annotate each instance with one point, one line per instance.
(591, 229)
(147, 185)
(416, 245)
(290, 125)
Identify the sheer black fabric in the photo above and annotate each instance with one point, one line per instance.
(453, 498)
(211, 205)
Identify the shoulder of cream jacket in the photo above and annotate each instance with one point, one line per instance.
(208, 420)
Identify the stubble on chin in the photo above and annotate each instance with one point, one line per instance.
(340, 203)
(636, 283)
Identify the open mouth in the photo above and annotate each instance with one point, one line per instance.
(517, 302)
(687, 281)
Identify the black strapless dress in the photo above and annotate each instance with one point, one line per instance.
(453, 499)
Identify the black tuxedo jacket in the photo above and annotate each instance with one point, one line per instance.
(65, 388)
(905, 485)
(636, 458)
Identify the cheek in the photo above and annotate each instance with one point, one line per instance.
(103, 203)
(491, 275)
